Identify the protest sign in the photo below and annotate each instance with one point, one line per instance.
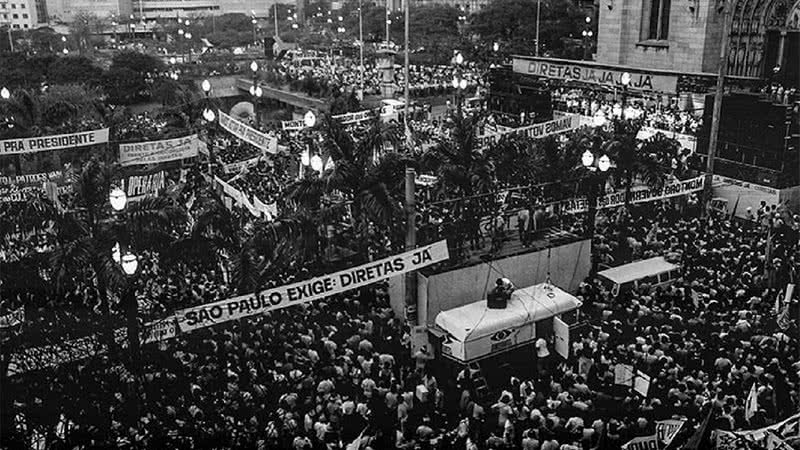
(236, 167)
(56, 142)
(138, 187)
(353, 117)
(641, 383)
(155, 152)
(640, 194)
(198, 317)
(666, 430)
(623, 375)
(536, 131)
(293, 125)
(248, 134)
(641, 443)
(21, 187)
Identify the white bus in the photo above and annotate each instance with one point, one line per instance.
(653, 272)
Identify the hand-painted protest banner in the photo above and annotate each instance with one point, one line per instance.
(666, 430)
(354, 117)
(638, 195)
(269, 210)
(138, 187)
(535, 131)
(293, 125)
(641, 443)
(770, 437)
(57, 142)
(236, 167)
(248, 134)
(21, 187)
(198, 317)
(13, 318)
(155, 152)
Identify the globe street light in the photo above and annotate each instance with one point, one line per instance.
(129, 263)
(254, 66)
(310, 119)
(5, 94)
(459, 58)
(118, 199)
(595, 182)
(206, 85)
(316, 163)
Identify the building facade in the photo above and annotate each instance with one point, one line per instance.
(686, 36)
(19, 14)
(66, 10)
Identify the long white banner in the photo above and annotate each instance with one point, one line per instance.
(248, 134)
(354, 117)
(536, 131)
(191, 319)
(154, 152)
(57, 142)
(638, 195)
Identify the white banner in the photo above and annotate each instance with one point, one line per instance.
(686, 141)
(198, 317)
(138, 187)
(154, 152)
(248, 134)
(536, 131)
(769, 438)
(57, 142)
(236, 167)
(354, 117)
(638, 195)
(13, 318)
(293, 125)
(21, 187)
(666, 430)
(269, 210)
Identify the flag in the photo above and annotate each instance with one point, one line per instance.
(751, 406)
(666, 430)
(784, 319)
(735, 207)
(699, 439)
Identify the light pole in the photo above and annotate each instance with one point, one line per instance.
(596, 181)
(256, 92)
(5, 94)
(538, 13)
(388, 22)
(360, 52)
(210, 117)
(254, 21)
(459, 83)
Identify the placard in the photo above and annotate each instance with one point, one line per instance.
(623, 375)
(353, 117)
(248, 134)
(535, 131)
(155, 152)
(138, 187)
(21, 187)
(641, 443)
(198, 317)
(641, 383)
(56, 142)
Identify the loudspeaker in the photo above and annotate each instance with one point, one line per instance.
(497, 299)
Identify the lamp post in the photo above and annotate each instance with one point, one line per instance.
(210, 117)
(459, 82)
(625, 79)
(256, 92)
(538, 13)
(596, 180)
(254, 21)
(360, 53)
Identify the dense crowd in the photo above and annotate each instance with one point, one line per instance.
(655, 114)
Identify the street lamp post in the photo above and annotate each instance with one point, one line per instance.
(459, 82)
(360, 53)
(596, 180)
(256, 92)
(210, 117)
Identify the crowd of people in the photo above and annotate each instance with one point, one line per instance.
(668, 117)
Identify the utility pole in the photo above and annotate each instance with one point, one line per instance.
(275, 16)
(411, 243)
(360, 51)
(407, 107)
(387, 22)
(713, 140)
(538, 12)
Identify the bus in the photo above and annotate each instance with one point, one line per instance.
(653, 272)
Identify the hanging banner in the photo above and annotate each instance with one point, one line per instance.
(685, 140)
(21, 187)
(593, 73)
(198, 317)
(236, 167)
(155, 152)
(57, 142)
(666, 430)
(13, 318)
(641, 443)
(293, 125)
(535, 131)
(640, 194)
(353, 117)
(138, 187)
(248, 134)
(269, 210)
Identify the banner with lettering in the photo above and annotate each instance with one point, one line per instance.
(641, 443)
(666, 430)
(293, 125)
(248, 134)
(56, 142)
(770, 437)
(536, 131)
(236, 167)
(138, 187)
(353, 117)
(592, 73)
(155, 152)
(638, 195)
(21, 187)
(198, 317)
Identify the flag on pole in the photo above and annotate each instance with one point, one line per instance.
(699, 439)
(784, 319)
(752, 403)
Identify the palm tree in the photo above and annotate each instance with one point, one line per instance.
(372, 183)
